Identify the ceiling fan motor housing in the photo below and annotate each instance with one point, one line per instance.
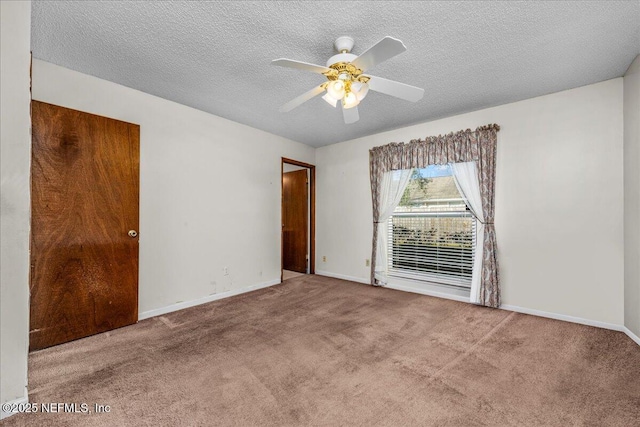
(343, 45)
(341, 57)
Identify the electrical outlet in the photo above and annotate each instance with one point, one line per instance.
(367, 263)
(226, 271)
(324, 258)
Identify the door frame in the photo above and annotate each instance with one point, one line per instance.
(312, 213)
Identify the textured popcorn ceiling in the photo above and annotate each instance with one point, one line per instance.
(216, 56)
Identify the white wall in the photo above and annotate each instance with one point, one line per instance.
(209, 189)
(15, 157)
(559, 200)
(632, 197)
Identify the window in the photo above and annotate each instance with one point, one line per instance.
(431, 232)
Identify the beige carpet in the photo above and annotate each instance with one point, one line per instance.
(287, 274)
(320, 351)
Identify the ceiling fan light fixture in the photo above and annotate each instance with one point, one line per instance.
(350, 100)
(347, 82)
(336, 89)
(330, 100)
(360, 90)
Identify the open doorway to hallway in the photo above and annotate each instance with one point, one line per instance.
(298, 219)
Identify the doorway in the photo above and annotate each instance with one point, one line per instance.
(298, 219)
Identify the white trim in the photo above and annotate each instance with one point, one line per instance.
(19, 401)
(631, 335)
(431, 278)
(204, 300)
(572, 319)
(343, 277)
(427, 292)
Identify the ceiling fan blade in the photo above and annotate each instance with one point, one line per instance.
(299, 65)
(386, 48)
(350, 115)
(301, 99)
(397, 89)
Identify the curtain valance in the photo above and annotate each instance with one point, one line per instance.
(458, 147)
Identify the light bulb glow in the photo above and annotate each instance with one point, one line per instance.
(350, 100)
(336, 89)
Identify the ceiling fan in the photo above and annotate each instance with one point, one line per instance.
(346, 81)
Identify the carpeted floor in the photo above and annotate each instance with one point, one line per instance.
(321, 351)
(287, 274)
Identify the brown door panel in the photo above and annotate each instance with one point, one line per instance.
(85, 191)
(295, 220)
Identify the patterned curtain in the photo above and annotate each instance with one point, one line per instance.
(478, 146)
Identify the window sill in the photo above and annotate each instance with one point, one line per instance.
(425, 287)
(436, 279)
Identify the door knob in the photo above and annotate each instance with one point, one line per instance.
(133, 233)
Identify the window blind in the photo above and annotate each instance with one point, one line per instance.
(436, 246)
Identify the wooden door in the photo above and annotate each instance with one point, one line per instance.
(84, 195)
(295, 220)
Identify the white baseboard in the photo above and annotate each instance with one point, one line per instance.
(631, 335)
(19, 401)
(588, 322)
(572, 319)
(204, 300)
(343, 277)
